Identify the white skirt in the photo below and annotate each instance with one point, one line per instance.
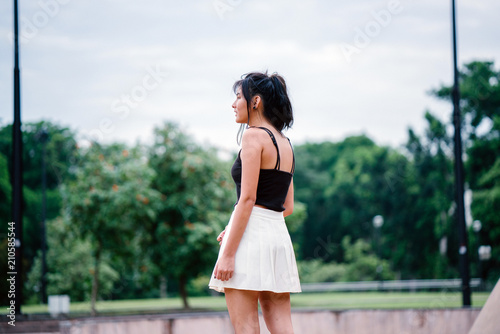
(264, 260)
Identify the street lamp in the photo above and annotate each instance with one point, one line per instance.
(378, 221)
(17, 172)
(459, 173)
(476, 226)
(484, 252)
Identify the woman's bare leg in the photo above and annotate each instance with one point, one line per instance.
(276, 310)
(243, 310)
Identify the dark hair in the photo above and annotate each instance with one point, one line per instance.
(272, 90)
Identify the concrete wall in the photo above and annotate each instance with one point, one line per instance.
(428, 321)
(488, 321)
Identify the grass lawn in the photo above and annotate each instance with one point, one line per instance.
(377, 300)
(331, 301)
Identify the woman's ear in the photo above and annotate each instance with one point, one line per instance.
(256, 102)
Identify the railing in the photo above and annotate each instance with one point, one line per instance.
(411, 285)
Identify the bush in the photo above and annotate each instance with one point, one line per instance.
(360, 265)
(315, 271)
(199, 286)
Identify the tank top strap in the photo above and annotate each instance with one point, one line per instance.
(277, 166)
(293, 155)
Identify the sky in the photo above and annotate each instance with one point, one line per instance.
(113, 70)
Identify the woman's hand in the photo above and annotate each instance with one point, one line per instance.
(221, 236)
(224, 268)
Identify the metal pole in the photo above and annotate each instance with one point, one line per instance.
(459, 176)
(44, 136)
(479, 264)
(17, 157)
(379, 265)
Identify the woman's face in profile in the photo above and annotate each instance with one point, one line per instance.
(240, 107)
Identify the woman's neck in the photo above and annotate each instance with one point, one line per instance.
(260, 121)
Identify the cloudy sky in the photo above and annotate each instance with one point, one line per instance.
(115, 69)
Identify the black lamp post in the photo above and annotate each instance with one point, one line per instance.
(459, 175)
(378, 221)
(17, 172)
(476, 227)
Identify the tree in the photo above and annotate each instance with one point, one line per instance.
(110, 202)
(430, 197)
(5, 191)
(71, 264)
(486, 206)
(60, 155)
(344, 185)
(197, 193)
(480, 106)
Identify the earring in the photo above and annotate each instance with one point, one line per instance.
(254, 108)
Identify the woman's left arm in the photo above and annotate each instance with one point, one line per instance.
(251, 150)
(289, 201)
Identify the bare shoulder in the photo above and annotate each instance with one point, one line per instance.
(254, 137)
(251, 146)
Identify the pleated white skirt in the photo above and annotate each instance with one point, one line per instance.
(264, 260)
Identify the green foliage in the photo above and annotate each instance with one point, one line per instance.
(361, 264)
(344, 185)
(60, 150)
(480, 106)
(295, 221)
(315, 271)
(70, 266)
(60, 155)
(479, 94)
(111, 198)
(198, 286)
(5, 191)
(197, 192)
(430, 182)
(486, 206)
(111, 202)
(5, 213)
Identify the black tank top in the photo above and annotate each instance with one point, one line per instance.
(273, 184)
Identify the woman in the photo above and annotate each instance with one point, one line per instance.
(256, 262)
